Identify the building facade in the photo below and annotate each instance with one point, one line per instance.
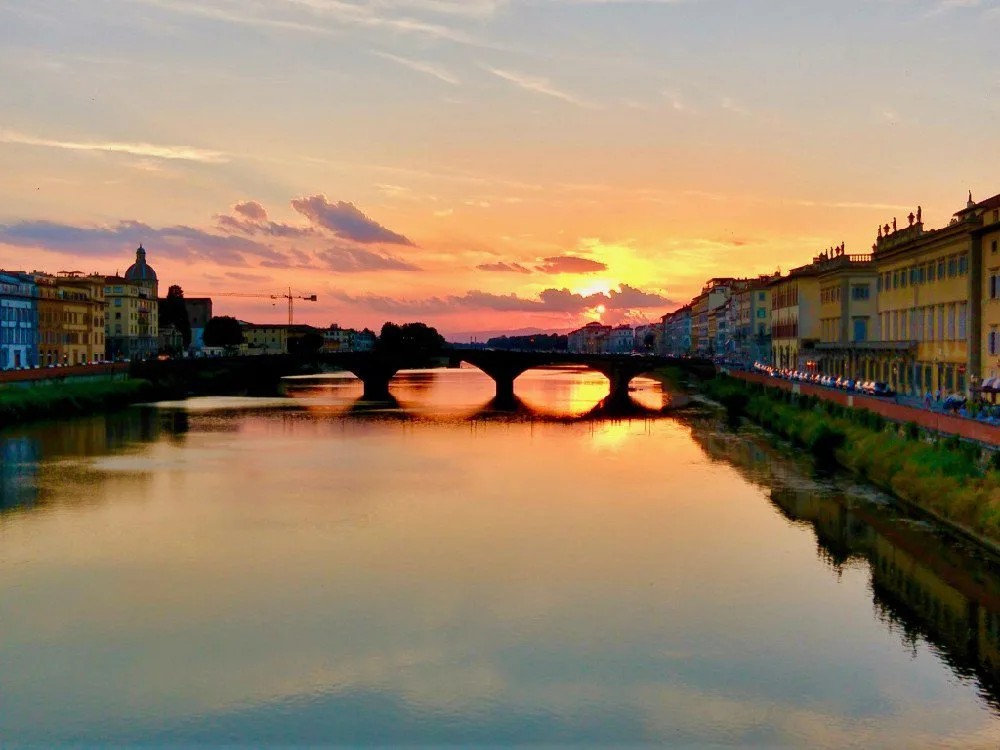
(927, 285)
(71, 318)
(131, 317)
(849, 332)
(795, 317)
(18, 321)
(621, 340)
(588, 340)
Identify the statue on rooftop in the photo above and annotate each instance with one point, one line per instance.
(919, 211)
(911, 217)
(880, 232)
(893, 223)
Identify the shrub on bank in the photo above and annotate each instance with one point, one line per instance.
(946, 476)
(69, 399)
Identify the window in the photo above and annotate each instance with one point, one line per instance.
(861, 329)
(940, 268)
(994, 283)
(878, 284)
(993, 340)
(895, 279)
(963, 264)
(761, 296)
(963, 314)
(993, 246)
(902, 278)
(951, 322)
(952, 266)
(930, 272)
(860, 291)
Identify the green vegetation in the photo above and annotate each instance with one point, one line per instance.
(956, 480)
(69, 400)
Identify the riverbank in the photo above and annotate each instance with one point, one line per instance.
(956, 482)
(63, 400)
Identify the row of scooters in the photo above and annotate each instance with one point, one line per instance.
(870, 387)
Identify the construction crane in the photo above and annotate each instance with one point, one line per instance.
(275, 295)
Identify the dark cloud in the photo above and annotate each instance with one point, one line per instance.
(570, 264)
(251, 211)
(502, 267)
(181, 242)
(356, 260)
(549, 301)
(346, 221)
(251, 218)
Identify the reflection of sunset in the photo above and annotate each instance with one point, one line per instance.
(611, 435)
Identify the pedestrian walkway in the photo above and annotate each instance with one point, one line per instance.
(908, 409)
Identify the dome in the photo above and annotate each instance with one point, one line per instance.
(140, 271)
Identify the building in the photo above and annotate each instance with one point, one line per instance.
(588, 340)
(71, 318)
(986, 242)
(274, 338)
(676, 336)
(337, 339)
(704, 321)
(751, 333)
(795, 317)
(850, 341)
(621, 340)
(131, 317)
(199, 312)
(18, 321)
(928, 284)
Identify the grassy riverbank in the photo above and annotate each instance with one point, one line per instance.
(957, 481)
(70, 399)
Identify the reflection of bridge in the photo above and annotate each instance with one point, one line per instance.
(376, 370)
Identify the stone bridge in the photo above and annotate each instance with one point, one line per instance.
(504, 367)
(260, 374)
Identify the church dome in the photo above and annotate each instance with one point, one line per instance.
(140, 270)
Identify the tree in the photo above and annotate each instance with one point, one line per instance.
(172, 312)
(223, 330)
(413, 341)
(309, 343)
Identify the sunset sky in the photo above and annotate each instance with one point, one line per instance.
(483, 165)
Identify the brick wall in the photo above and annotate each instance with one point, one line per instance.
(45, 375)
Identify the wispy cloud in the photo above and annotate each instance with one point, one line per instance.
(539, 85)
(422, 66)
(158, 151)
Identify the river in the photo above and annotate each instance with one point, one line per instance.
(313, 570)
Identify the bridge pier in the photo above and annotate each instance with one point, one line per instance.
(375, 373)
(503, 377)
(619, 380)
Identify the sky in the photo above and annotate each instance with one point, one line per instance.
(482, 165)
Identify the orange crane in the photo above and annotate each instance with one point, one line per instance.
(265, 295)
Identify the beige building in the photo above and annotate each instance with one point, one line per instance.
(795, 328)
(848, 311)
(273, 338)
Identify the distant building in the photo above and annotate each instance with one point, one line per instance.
(273, 338)
(199, 312)
(675, 336)
(337, 339)
(588, 340)
(18, 321)
(621, 340)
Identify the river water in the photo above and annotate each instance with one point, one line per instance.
(313, 570)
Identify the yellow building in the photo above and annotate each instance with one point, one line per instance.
(131, 324)
(70, 318)
(795, 328)
(929, 292)
(988, 240)
(848, 315)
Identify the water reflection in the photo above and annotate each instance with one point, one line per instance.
(314, 569)
(925, 586)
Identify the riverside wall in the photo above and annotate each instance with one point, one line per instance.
(969, 429)
(60, 375)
